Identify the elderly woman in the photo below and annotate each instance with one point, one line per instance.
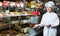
(49, 20)
(33, 20)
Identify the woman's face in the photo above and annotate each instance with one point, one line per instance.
(49, 9)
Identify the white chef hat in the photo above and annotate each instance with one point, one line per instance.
(50, 4)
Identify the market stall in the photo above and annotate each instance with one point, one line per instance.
(13, 19)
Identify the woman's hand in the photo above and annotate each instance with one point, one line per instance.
(36, 26)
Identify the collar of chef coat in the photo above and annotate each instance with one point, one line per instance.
(48, 12)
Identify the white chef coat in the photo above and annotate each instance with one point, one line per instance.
(49, 18)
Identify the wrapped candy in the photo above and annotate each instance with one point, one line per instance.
(12, 4)
(21, 4)
(36, 13)
(6, 3)
(17, 5)
(1, 3)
